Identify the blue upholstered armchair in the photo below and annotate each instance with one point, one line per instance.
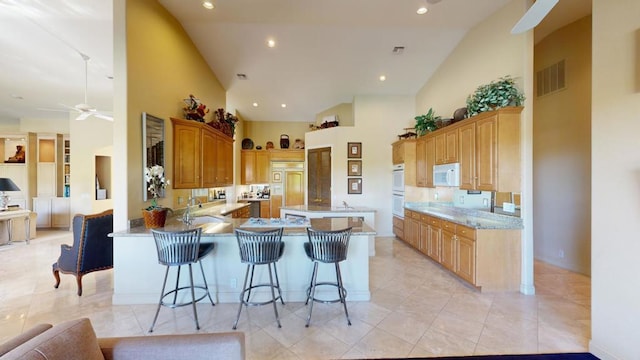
(92, 248)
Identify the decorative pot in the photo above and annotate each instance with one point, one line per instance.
(154, 218)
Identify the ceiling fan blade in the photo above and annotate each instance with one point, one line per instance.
(534, 15)
(83, 116)
(103, 116)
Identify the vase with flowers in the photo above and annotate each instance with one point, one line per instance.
(155, 215)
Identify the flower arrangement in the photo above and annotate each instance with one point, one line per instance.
(226, 122)
(194, 110)
(155, 179)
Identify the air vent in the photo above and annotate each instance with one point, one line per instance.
(550, 79)
(397, 50)
(241, 76)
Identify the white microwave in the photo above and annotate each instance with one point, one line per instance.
(446, 175)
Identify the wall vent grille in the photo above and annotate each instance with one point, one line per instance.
(551, 79)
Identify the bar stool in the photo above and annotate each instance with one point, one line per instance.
(260, 248)
(177, 248)
(327, 247)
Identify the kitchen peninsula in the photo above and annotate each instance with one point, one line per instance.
(315, 211)
(138, 276)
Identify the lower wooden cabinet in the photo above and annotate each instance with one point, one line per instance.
(398, 227)
(265, 209)
(243, 212)
(489, 259)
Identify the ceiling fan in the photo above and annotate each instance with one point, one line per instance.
(85, 110)
(534, 15)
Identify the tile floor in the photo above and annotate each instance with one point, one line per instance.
(417, 309)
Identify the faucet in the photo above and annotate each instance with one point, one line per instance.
(344, 203)
(187, 218)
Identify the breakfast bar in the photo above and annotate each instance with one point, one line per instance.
(138, 276)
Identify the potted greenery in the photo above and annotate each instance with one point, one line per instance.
(155, 215)
(426, 123)
(497, 94)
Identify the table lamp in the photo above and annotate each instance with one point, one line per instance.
(6, 184)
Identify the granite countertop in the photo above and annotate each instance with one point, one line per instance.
(335, 209)
(476, 219)
(218, 226)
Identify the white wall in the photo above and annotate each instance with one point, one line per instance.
(53, 126)
(615, 280)
(378, 121)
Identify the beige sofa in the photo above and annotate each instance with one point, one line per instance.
(76, 340)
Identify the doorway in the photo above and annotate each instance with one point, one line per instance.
(319, 179)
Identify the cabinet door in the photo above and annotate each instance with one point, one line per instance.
(423, 243)
(466, 256)
(430, 159)
(467, 137)
(421, 162)
(262, 167)
(319, 177)
(224, 174)
(413, 236)
(433, 244)
(60, 215)
(448, 250)
(247, 167)
(486, 153)
(42, 208)
(265, 209)
(440, 149)
(187, 150)
(397, 153)
(451, 146)
(209, 159)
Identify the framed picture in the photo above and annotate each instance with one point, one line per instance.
(354, 168)
(355, 186)
(277, 177)
(355, 150)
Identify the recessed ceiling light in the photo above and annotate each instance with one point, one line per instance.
(422, 10)
(271, 43)
(255, 104)
(382, 78)
(207, 5)
(283, 105)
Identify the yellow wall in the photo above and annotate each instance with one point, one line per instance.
(163, 67)
(615, 179)
(562, 152)
(262, 131)
(344, 112)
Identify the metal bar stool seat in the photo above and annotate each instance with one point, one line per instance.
(177, 248)
(329, 247)
(260, 248)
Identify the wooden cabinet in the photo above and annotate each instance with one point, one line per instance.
(243, 212)
(202, 156)
(430, 149)
(404, 152)
(265, 209)
(486, 258)
(421, 162)
(467, 140)
(254, 167)
(398, 227)
(446, 146)
(286, 155)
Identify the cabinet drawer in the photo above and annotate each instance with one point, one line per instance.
(415, 215)
(434, 222)
(424, 218)
(467, 232)
(446, 225)
(398, 223)
(407, 213)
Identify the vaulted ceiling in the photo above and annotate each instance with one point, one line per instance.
(325, 52)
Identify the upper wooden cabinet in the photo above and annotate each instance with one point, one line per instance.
(487, 146)
(255, 166)
(286, 155)
(202, 156)
(404, 152)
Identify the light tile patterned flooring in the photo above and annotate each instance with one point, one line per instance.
(417, 309)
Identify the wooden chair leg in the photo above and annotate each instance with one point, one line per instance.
(56, 274)
(79, 281)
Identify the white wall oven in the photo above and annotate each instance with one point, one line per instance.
(397, 191)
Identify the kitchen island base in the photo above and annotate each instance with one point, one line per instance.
(138, 276)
